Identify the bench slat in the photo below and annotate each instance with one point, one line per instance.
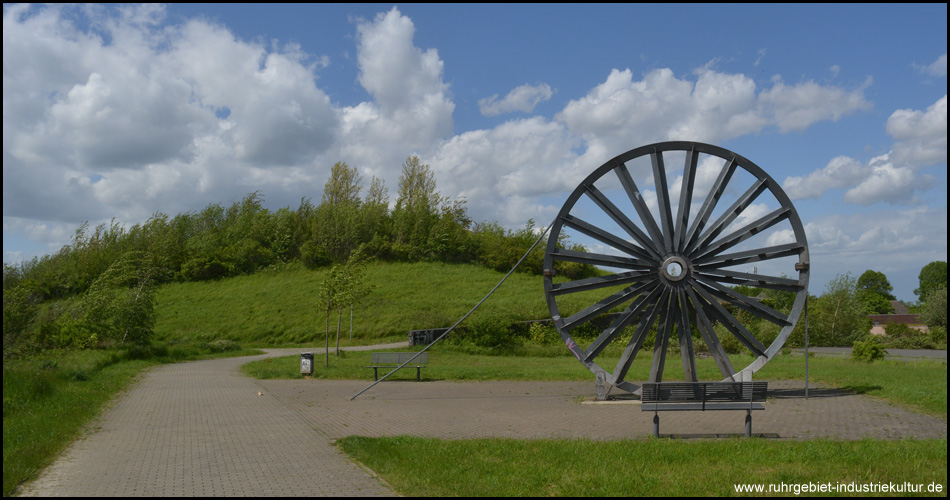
(692, 395)
(397, 358)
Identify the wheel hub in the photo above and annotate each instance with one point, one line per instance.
(675, 269)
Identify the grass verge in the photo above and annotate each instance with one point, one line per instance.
(49, 399)
(582, 468)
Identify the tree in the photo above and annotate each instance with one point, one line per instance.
(352, 287)
(336, 224)
(329, 298)
(874, 292)
(416, 211)
(839, 318)
(120, 303)
(932, 277)
(417, 185)
(375, 222)
(934, 310)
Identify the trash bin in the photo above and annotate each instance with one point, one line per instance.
(306, 363)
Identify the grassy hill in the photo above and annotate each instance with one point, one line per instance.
(280, 307)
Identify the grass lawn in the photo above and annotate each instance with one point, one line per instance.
(651, 467)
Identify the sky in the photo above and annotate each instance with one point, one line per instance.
(120, 112)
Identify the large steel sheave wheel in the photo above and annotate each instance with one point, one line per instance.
(671, 275)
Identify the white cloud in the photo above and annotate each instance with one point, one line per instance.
(893, 178)
(841, 171)
(883, 181)
(936, 68)
(921, 135)
(411, 110)
(887, 241)
(795, 108)
(523, 98)
(717, 107)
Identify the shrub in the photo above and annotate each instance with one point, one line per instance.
(542, 333)
(729, 341)
(869, 349)
(901, 336)
(222, 345)
(487, 335)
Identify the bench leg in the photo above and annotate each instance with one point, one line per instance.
(656, 425)
(375, 373)
(418, 373)
(748, 423)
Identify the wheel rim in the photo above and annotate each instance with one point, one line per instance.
(674, 267)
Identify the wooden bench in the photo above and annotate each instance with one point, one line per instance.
(395, 359)
(703, 396)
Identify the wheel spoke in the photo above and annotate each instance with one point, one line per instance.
(598, 259)
(685, 339)
(712, 198)
(622, 220)
(686, 197)
(636, 342)
(637, 199)
(605, 305)
(605, 237)
(730, 322)
(753, 306)
(601, 282)
(729, 215)
(662, 342)
(663, 199)
(632, 313)
(753, 280)
(709, 336)
(746, 232)
(748, 256)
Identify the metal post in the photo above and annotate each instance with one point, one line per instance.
(806, 346)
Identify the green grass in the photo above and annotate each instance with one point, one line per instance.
(582, 468)
(49, 399)
(896, 381)
(280, 308)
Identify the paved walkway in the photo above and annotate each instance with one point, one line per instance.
(203, 429)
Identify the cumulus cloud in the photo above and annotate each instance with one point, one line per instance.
(887, 241)
(896, 177)
(936, 68)
(523, 98)
(921, 135)
(796, 107)
(841, 171)
(717, 107)
(411, 109)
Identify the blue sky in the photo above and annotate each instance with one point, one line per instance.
(121, 112)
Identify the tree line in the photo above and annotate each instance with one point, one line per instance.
(224, 241)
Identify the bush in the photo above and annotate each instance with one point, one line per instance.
(542, 333)
(901, 336)
(222, 345)
(487, 335)
(729, 341)
(869, 349)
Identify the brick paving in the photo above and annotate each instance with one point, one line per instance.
(203, 429)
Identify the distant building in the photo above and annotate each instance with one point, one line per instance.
(901, 315)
